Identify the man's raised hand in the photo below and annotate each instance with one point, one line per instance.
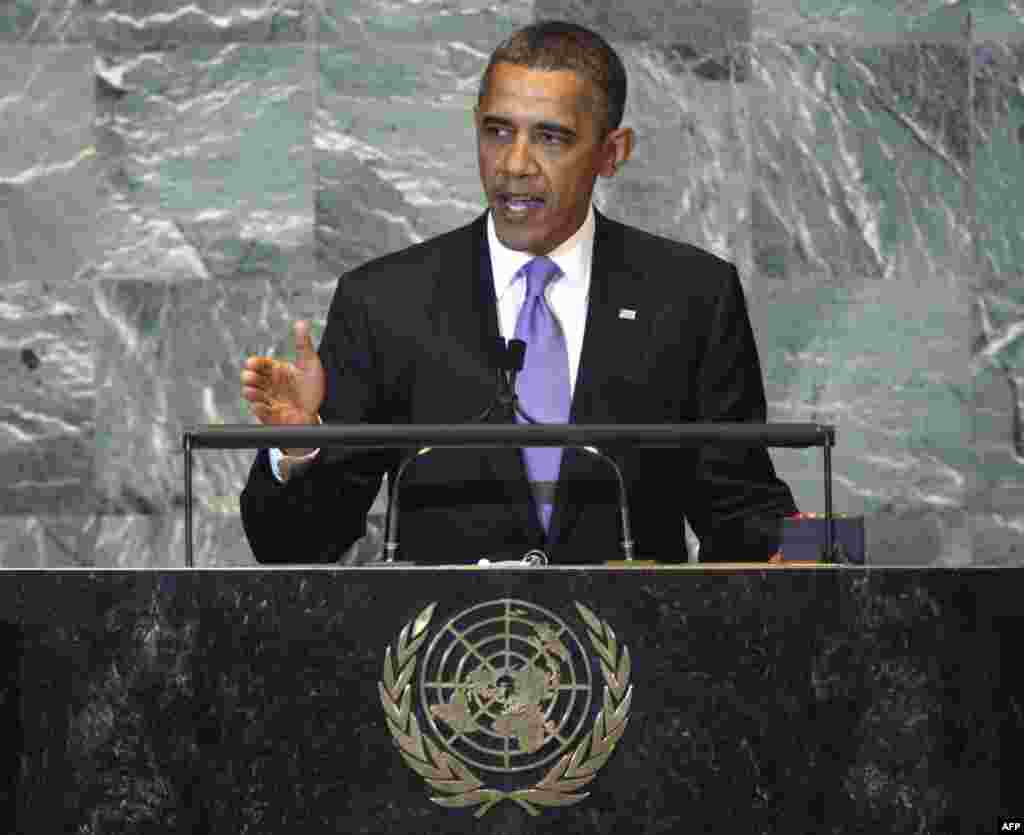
(284, 394)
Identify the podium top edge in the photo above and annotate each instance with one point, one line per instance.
(372, 569)
(666, 568)
(251, 436)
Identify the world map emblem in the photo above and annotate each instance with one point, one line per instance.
(506, 693)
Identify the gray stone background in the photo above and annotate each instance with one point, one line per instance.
(179, 182)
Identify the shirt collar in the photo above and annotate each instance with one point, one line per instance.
(573, 256)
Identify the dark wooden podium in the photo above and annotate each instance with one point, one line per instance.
(760, 700)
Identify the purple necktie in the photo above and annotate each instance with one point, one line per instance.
(543, 384)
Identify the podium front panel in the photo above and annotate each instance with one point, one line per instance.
(550, 700)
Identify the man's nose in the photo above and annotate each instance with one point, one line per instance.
(519, 159)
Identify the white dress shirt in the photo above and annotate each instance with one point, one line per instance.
(567, 297)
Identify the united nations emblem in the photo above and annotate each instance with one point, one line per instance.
(505, 688)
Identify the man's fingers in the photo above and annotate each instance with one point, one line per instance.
(262, 413)
(264, 374)
(255, 395)
(256, 378)
(254, 384)
(259, 364)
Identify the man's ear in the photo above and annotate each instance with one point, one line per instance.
(618, 148)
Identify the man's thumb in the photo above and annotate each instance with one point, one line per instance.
(303, 342)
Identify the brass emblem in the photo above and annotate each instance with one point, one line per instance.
(505, 687)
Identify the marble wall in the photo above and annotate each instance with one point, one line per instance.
(179, 182)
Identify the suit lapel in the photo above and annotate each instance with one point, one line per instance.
(465, 312)
(609, 336)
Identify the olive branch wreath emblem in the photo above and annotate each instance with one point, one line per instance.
(459, 785)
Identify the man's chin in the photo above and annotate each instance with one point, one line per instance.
(518, 244)
(521, 240)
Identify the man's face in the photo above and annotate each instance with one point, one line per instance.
(540, 150)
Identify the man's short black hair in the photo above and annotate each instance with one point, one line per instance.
(555, 45)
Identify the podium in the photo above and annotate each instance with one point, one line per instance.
(586, 699)
(829, 699)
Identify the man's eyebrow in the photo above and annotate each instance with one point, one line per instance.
(549, 127)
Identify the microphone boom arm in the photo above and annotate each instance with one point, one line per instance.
(391, 514)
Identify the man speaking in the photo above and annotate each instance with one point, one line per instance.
(621, 327)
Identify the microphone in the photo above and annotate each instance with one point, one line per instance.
(516, 356)
(509, 361)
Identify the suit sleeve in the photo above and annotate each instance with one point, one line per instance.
(739, 501)
(316, 516)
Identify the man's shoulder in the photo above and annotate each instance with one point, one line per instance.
(643, 246)
(694, 272)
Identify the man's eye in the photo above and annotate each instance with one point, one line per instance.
(552, 138)
(498, 132)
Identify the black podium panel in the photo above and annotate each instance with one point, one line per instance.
(831, 700)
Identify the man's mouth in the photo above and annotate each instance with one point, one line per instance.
(519, 205)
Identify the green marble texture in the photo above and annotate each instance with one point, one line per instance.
(862, 20)
(998, 19)
(179, 182)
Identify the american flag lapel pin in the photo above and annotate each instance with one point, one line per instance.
(626, 313)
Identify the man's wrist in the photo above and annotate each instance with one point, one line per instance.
(289, 466)
(302, 453)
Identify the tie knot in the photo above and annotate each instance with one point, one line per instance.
(539, 272)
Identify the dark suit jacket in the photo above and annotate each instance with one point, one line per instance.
(409, 339)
